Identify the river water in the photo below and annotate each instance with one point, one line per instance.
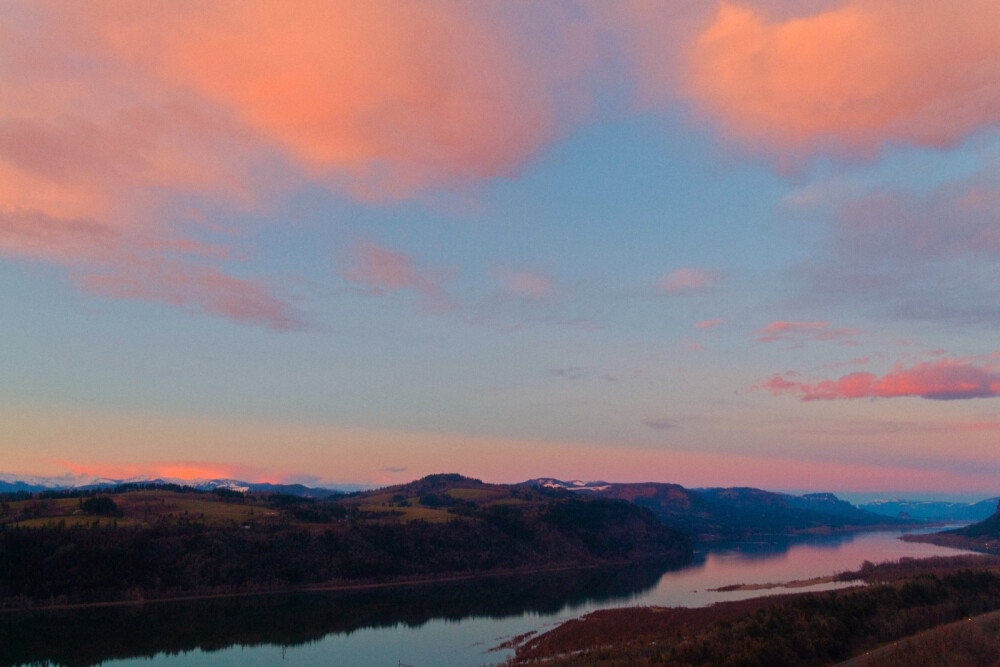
(457, 623)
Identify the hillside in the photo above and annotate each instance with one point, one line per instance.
(734, 513)
(981, 536)
(141, 542)
(823, 628)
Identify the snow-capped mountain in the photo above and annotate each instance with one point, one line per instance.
(12, 483)
(574, 485)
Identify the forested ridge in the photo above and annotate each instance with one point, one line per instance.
(144, 543)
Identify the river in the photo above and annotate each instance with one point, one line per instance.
(441, 624)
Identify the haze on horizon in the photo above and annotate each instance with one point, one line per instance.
(747, 243)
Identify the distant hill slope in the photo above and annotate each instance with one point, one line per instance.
(981, 536)
(733, 513)
(933, 510)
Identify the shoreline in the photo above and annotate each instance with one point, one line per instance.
(797, 583)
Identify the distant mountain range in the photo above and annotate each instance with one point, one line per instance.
(980, 536)
(33, 484)
(706, 514)
(933, 510)
(735, 513)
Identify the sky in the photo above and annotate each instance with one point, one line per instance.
(747, 243)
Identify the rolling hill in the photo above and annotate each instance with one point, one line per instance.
(715, 514)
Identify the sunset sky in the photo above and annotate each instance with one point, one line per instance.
(747, 243)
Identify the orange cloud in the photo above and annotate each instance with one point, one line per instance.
(112, 112)
(182, 470)
(394, 96)
(858, 75)
(945, 379)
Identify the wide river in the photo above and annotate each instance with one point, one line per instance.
(431, 625)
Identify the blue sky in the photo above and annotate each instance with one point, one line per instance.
(693, 243)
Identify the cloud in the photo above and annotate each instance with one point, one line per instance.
(196, 287)
(817, 331)
(115, 117)
(977, 426)
(856, 75)
(660, 424)
(928, 256)
(111, 264)
(945, 379)
(380, 270)
(395, 97)
(573, 372)
(686, 281)
(526, 284)
(183, 470)
(711, 324)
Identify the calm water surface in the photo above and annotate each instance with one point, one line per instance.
(444, 624)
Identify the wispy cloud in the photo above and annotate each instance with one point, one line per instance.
(660, 424)
(379, 270)
(197, 287)
(572, 372)
(926, 256)
(711, 324)
(686, 281)
(527, 284)
(798, 331)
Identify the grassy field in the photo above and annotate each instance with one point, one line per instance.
(405, 514)
(136, 508)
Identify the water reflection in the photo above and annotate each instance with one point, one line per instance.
(94, 635)
(441, 624)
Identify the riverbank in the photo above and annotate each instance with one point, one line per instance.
(905, 597)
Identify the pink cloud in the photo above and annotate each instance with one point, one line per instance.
(686, 281)
(945, 379)
(35, 235)
(193, 286)
(711, 324)
(818, 331)
(380, 270)
(111, 113)
(978, 426)
(857, 74)
(394, 96)
(183, 470)
(533, 285)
